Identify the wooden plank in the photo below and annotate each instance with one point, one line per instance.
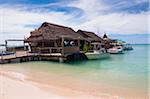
(15, 40)
(2, 45)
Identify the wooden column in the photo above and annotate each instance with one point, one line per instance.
(24, 45)
(55, 44)
(6, 46)
(50, 50)
(42, 46)
(62, 44)
(79, 43)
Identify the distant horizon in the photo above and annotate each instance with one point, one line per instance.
(132, 38)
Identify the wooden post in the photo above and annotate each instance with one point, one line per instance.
(6, 44)
(42, 42)
(79, 43)
(24, 45)
(50, 50)
(42, 46)
(2, 56)
(55, 45)
(62, 44)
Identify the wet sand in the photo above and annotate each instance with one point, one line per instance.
(15, 86)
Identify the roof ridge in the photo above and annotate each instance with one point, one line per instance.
(56, 25)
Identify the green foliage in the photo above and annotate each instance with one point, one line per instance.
(86, 48)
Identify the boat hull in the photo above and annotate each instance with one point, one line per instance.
(115, 51)
(93, 56)
(128, 49)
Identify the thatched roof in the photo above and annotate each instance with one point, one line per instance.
(49, 31)
(89, 35)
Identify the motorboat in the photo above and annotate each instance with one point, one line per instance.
(97, 52)
(115, 50)
(127, 47)
(97, 55)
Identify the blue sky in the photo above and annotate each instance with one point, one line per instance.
(19, 17)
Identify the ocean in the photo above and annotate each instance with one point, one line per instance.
(125, 75)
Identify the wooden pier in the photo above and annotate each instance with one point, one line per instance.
(24, 56)
(59, 54)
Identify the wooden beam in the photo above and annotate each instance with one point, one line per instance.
(2, 45)
(15, 40)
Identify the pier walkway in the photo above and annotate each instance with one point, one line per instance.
(24, 56)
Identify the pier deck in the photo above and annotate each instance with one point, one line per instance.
(24, 56)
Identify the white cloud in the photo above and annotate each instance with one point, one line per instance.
(119, 23)
(91, 8)
(112, 22)
(14, 20)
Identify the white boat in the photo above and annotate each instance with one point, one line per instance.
(127, 47)
(96, 55)
(98, 52)
(115, 50)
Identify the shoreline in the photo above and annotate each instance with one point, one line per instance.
(65, 82)
(13, 87)
(18, 81)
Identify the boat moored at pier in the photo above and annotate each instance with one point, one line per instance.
(98, 52)
(116, 50)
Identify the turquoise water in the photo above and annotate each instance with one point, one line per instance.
(128, 70)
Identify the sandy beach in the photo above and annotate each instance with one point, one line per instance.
(15, 86)
(42, 81)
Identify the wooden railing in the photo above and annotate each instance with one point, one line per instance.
(50, 49)
(62, 50)
(68, 50)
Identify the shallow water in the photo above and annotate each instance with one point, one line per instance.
(126, 72)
